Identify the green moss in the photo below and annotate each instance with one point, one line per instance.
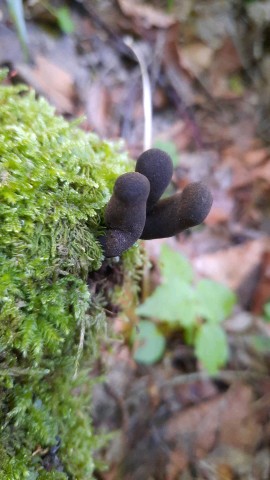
(54, 183)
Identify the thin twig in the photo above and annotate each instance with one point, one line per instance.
(223, 375)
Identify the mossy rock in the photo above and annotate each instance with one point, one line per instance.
(55, 181)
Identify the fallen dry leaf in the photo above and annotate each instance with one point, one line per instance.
(178, 461)
(228, 419)
(263, 173)
(193, 431)
(97, 106)
(233, 266)
(225, 472)
(179, 78)
(196, 57)
(221, 210)
(227, 58)
(241, 177)
(50, 80)
(238, 425)
(225, 62)
(262, 292)
(147, 15)
(253, 158)
(226, 463)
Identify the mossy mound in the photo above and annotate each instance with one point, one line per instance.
(54, 183)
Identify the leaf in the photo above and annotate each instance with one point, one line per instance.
(147, 16)
(32, 475)
(3, 74)
(170, 148)
(260, 343)
(173, 302)
(211, 347)
(152, 343)
(161, 304)
(174, 266)
(64, 19)
(215, 301)
(236, 84)
(266, 310)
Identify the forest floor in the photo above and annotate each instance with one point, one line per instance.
(209, 65)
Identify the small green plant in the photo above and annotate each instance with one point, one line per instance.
(16, 11)
(266, 310)
(170, 5)
(64, 20)
(150, 343)
(62, 16)
(197, 307)
(170, 148)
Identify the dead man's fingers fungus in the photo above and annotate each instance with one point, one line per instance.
(157, 166)
(125, 213)
(172, 215)
(136, 211)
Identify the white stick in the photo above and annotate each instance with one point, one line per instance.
(147, 96)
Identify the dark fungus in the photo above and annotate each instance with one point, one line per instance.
(125, 213)
(136, 211)
(178, 212)
(157, 166)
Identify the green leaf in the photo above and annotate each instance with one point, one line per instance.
(174, 266)
(32, 475)
(266, 310)
(64, 19)
(170, 5)
(151, 343)
(161, 304)
(236, 84)
(3, 74)
(215, 301)
(211, 347)
(170, 148)
(260, 343)
(173, 302)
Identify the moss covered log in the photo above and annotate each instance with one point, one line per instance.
(55, 181)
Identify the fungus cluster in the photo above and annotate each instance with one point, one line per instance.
(136, 209)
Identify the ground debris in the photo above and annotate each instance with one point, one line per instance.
(210, 95)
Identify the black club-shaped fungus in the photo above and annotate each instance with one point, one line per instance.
(136, 211)
(157, 166)
(125, 213)
(172, 215)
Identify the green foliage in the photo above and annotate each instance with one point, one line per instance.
(151, 343)
(170, 5)
(236, 84)
(267, 312)
(55, 181)
(64, 19)
(211, 347)
(62, 16)
(260, 343)
(197, 307)
(170, 148)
